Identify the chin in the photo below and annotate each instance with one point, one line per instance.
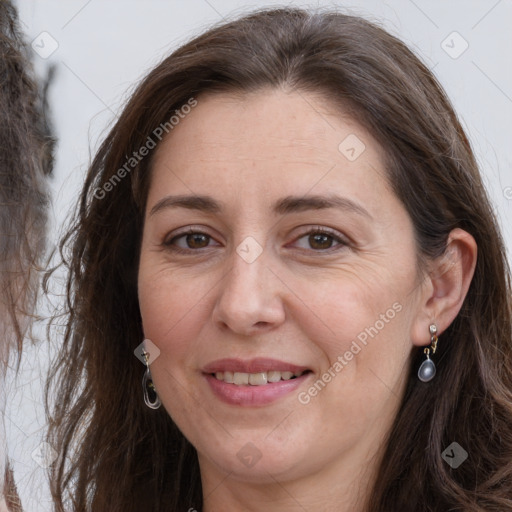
(259, 462)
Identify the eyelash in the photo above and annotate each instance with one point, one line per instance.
(342, 243)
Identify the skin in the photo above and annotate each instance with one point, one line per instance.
(299, 301)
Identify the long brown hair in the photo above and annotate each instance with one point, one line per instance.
(26, 158)
(117, 455)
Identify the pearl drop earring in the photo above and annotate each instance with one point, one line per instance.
(427, 370)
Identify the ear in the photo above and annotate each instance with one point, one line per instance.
(446, 286)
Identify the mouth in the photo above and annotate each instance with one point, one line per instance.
(256, 382)
(257, 379)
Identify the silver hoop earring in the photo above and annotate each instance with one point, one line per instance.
(148, 388)
(427, 370)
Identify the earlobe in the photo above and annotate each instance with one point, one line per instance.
(449, 280)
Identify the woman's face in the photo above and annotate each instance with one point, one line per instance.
(297, 261)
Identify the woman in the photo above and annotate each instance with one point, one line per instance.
(25, 158)
(288, 228)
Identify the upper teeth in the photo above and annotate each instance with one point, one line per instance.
(255, 379)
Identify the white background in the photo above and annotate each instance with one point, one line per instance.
(106, 46)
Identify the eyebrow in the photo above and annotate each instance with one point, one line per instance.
(284, 206)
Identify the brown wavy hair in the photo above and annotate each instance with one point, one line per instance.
(26, 159)
(115, 454)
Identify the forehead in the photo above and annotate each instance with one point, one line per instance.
(275, 117)
(264, 141)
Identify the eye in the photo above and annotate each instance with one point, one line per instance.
(322, 239)
(319, 239)
(191, 240)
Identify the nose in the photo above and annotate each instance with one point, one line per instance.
(250, 299)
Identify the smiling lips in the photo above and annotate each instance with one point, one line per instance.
(255, 379)
(255, 382)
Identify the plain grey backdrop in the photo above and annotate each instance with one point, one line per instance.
(101, 48)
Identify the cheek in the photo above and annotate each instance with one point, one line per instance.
(360, 329)
(172, 315)
(360, 325)
(354, 305)
(172, 318)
